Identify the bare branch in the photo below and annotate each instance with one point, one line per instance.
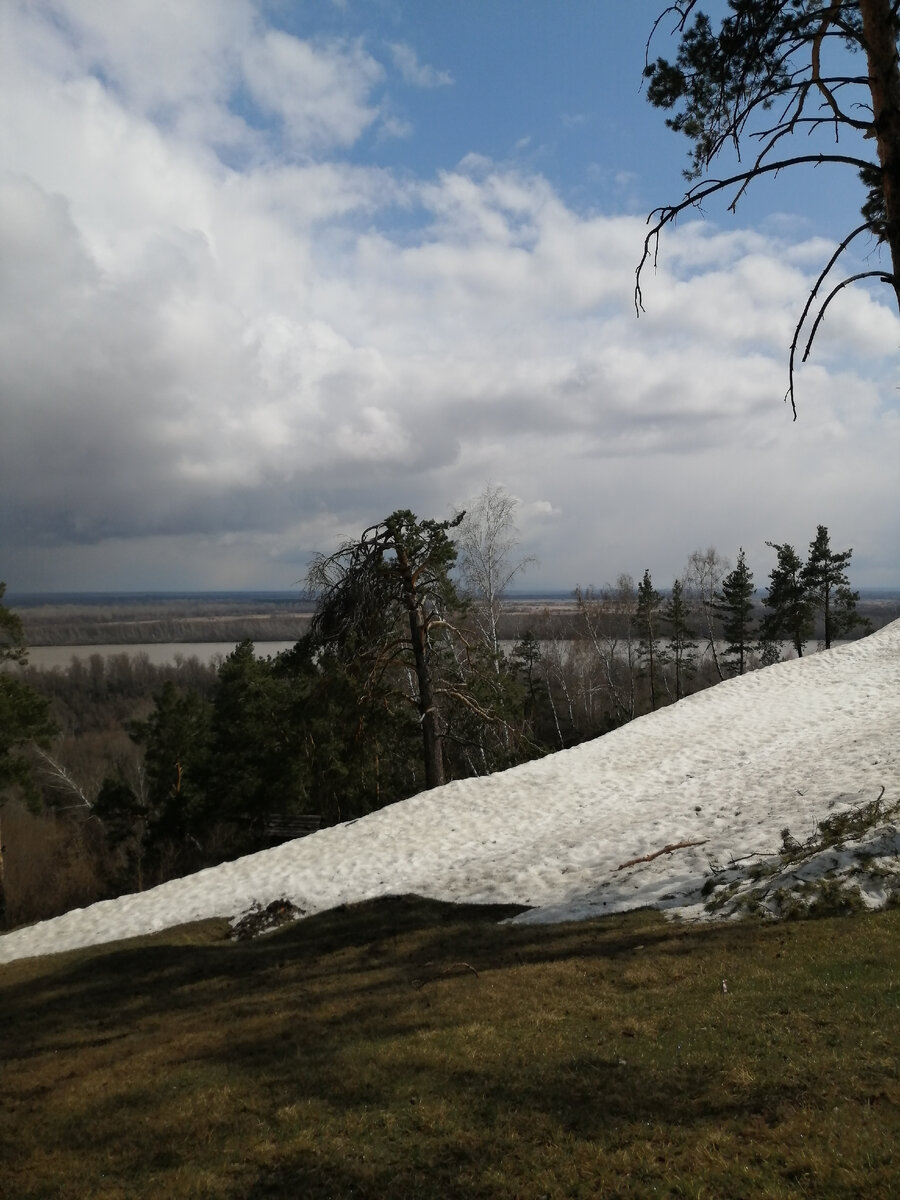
(683, 9)
(633, 862)
(816, 59)
(756, 57)
(696, 195)
(809, 302)
(61, 777)
(884, 276)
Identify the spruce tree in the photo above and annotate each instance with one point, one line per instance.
(828, 587)
(169, 819)
(256, 747)
(735, 603)
(24, 714)
(681, 637)
(788, 598)
(646, 622)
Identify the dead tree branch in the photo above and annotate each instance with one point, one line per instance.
(633, 862)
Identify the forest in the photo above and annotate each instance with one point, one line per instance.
(117, 774)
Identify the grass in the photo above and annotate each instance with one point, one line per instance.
(405, 1048)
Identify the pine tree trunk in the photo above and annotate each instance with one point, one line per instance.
(2, 881)
(879, 31)
(428, 716)
(431, 739)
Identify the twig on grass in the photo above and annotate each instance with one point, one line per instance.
(420, 983)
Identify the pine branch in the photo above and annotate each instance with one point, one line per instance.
(809, 303)
(695, 196)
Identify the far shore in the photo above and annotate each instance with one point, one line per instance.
(207, 625)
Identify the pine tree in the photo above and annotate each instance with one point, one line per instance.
(646, 622)
(788, 598)
(171, 814)
(384, 600)
(256, 741)
(681, 637)
(828, 587)
(24, 719)
(761, 77)
(735, 603)
(24, 714)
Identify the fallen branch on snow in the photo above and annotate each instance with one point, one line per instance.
(632, 862)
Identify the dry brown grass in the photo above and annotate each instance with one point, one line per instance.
(405, 1048)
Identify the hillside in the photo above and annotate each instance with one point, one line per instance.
(657, 813)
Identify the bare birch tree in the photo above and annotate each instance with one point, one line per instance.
(703, 577)
(607, 619)
(486, 545)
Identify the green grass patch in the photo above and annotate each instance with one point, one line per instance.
(405, 1048)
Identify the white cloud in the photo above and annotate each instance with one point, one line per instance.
(219, 368)
(322, 93)
(413, 72)
(171, 62)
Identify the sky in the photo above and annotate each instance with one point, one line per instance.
(271, 270)
(669, 811)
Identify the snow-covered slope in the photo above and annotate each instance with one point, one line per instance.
(723, 772)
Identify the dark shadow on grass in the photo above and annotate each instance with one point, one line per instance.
(295, 1017)
(100, 986)
(94, 990)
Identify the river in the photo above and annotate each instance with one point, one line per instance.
(161, 653)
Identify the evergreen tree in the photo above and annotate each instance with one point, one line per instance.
(828, 588)
(352, 748)
(172, 812)
(384, 601)
(24, 714)
(681, 637)
(735, 603)
(12, 635)
(24, 720)
(161, 825)
(788, 597)
(527, 657)
(646, 622)
(254, 754)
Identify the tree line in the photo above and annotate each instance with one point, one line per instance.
(402, 683)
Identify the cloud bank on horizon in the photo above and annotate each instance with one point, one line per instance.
(247, 308)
